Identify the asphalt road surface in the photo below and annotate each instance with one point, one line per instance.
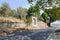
(29, 35)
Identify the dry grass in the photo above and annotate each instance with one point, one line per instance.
(5, 31)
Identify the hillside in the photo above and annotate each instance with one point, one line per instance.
(12, 25)
(20, 23)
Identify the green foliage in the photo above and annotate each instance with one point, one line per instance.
(5, 9)
(43, 3)
(21, 12)
(45, 16)
(55, 13)
(33, 11)
(28, 20)
(13, 13)
(30, 1)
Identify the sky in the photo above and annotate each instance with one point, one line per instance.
(14, 4)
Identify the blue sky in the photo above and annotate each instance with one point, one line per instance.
(14, 4)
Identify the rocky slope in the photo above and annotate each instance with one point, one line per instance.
(12, 25)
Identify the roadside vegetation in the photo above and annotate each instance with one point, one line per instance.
(49, 15)
(51, 12)
(51, 9)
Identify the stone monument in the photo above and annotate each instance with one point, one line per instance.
(34, 21)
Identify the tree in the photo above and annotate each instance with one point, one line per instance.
(45, 16)
(21, 12)
(4, 9)
(33, 11)
(13, 13)
(55, 13)
(47, 4)
(30, 1)
(44, 3)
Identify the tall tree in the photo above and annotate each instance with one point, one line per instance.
(45, 16)
(47, 4)
(21, 12)
(54, 12)
(13, 13)
(33, 10)
(44, 3)
(5, 9)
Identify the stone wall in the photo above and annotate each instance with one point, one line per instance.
(12, 24)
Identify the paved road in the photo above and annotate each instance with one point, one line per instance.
(28, 35)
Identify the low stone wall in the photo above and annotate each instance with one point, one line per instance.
(12, 24)
(41, 25)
